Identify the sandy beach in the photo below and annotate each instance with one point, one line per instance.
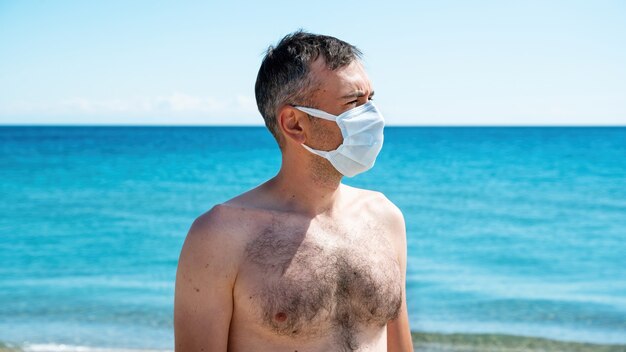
(428, 342)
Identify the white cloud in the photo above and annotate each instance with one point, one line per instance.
(185, 109)
(181, 103)
(176, 105)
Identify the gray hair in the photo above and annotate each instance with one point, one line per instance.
(284, 74)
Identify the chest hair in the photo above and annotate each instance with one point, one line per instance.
(318, 283)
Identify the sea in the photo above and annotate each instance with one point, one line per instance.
(515, 234)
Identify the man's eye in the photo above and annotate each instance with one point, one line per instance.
(356, 101)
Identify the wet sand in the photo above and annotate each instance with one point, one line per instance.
(431, 342)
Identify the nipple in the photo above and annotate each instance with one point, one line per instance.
(280, 317)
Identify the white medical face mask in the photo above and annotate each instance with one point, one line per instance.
(362, 130)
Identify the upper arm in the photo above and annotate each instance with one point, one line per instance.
(398, 330)
(203, 298)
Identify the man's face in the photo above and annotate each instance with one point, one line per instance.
(337, 91)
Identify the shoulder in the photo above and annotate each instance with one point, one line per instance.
(213, 225)
(216, 220)
(380, 206)
(388, 208)
(388, 216)
(215, 237)
(206, 274)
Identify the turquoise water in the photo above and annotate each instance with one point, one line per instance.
(518, 231)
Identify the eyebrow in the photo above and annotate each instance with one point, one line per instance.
(356, 94)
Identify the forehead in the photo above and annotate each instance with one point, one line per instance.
(340, 82)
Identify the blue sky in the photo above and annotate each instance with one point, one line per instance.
(431, 62)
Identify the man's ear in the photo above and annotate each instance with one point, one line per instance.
(293, 124)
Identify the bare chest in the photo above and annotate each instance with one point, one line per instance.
(306, 281)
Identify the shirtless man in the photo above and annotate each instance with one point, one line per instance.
(302, 262)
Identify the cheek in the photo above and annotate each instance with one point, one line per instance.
(332, 134)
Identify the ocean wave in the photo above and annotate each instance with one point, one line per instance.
(422, 341)
(72, 348)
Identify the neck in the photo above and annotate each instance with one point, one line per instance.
(310, 189)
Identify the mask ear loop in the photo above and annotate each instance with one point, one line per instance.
(326, 116)
(314, 112)
(317, 113)
(322, 153)
(322, 115)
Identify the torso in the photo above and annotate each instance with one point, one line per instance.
(314, 284)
